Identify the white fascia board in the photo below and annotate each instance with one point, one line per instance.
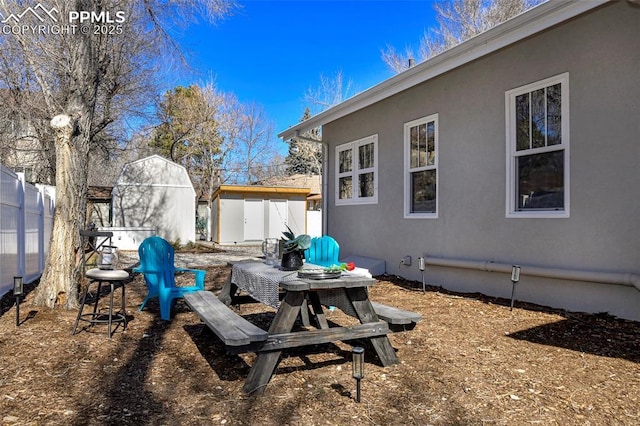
(533, 21)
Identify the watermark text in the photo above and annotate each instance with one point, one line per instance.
(40, 20)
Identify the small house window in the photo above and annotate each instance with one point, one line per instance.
(537, 145)
(421, 167)
(357, 172)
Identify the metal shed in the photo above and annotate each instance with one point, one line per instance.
(156, 192)
(244, 214)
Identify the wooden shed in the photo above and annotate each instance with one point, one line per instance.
(245, 214)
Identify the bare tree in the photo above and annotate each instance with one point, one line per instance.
(210, 166)
(88, 77)
(230, 116)
(256, 142)
(398, 62)
(458, 20)
(247, 152)
(331, 91)
(25, 139)
(305, 156)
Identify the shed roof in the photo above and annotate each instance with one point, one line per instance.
(154, 170)
(533, 21)
(259, 190)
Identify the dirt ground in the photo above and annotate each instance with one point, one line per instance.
(470, 361)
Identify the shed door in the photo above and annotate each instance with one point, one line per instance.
(278, 217)
(253, 220)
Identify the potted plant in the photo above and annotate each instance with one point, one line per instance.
(292, 249)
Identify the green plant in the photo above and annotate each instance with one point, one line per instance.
(292, 243)
(191, 245)
(177, 244)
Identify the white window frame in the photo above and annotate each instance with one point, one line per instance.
(408, 170)
(355, 172)
(513, 154)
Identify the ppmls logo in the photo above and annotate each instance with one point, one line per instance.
(40, 20)
(39, 11)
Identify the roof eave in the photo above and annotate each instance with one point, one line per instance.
(535, 20)
(254, 189)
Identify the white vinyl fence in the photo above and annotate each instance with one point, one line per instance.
(26, 222)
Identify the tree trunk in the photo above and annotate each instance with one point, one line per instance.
(61, 275)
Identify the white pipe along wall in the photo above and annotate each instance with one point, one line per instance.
(616, 278)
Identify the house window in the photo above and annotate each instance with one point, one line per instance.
(421, 167)
(538, 149)
(357, 172)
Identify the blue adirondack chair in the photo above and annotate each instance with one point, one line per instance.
(156, 263)
(324, 251)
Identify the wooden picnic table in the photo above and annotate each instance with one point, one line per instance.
(240, 336)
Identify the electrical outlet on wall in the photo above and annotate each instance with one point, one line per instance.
(406, 261)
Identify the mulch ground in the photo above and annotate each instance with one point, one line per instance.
(470, 361)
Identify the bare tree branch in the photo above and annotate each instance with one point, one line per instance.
(97, 79)
(458, 20)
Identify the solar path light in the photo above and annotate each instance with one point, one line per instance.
(515, 277)
(18, 290)
(358, 368)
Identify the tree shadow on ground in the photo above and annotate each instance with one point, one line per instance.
(124, 397)
(228, 367)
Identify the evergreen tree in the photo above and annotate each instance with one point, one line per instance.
(305, 157)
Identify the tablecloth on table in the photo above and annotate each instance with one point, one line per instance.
(261, 281)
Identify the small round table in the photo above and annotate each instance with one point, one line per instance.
(99, 276)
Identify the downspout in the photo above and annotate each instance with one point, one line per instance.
(615, 278)
(325, 158)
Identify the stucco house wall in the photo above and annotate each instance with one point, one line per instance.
(154, 192)
(600, 52)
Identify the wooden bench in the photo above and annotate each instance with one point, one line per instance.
(230, 327)
(398, 319)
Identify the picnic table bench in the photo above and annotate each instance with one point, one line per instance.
(398, 319)
(230, 327)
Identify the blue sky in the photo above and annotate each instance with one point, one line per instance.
(273, 52)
